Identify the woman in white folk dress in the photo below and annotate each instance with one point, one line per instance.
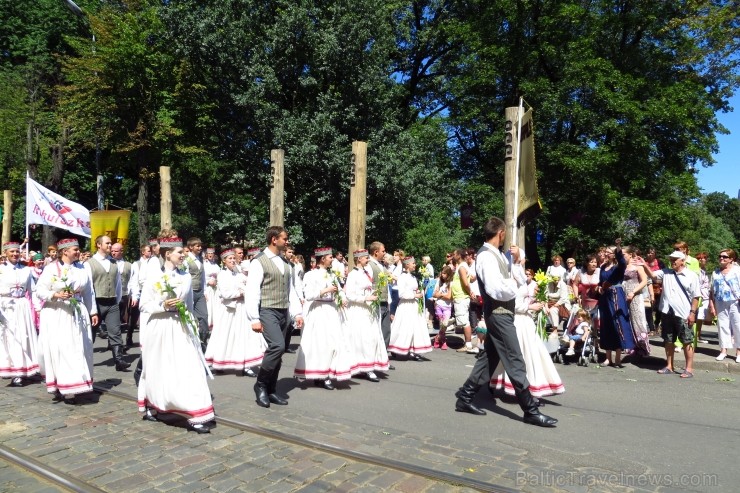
(542, 376)
(173, 379)
(211, 268)
(363, 324)
(233, 344)
(65, 334)
(324, 354)
(18, 340)
(409, 332)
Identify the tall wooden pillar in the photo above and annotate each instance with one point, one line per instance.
(165, 201)
(357, 200)
(514, 235)
(277, 190)
(7, 215)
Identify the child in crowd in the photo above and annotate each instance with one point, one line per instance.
(443, 305)
(578, 331)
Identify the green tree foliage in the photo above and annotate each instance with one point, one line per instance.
(625, 96)
(624, 107)
(311, 77)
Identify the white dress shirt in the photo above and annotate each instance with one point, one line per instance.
(254, 287)
(487, 269)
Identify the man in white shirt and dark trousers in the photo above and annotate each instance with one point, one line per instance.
(125, 269)
(678, 306)
(498, 289)
(271, 301)
(106, 280)
(194, 262)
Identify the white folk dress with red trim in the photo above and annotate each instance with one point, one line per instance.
(233, 344)
(409, 332)
(363, 326)
(542, 376)
(212, 270)
(173, 379)
(18, 340)
(325, 351)
(65, 335)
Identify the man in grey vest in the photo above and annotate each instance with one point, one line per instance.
(499, 289)
(377, 251)
(194, 262)
(124, 267)
(106, 281)
(271, 301)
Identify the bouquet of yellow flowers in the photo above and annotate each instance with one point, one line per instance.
(383, 279)
(542, 281)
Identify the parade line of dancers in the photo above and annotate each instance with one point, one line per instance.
(245, 310)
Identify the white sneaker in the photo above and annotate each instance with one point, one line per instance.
(475, 350)
(721, 356)
(737, 360)
(570, 352)
(678, 350)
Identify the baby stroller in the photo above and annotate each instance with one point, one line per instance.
(585, 349)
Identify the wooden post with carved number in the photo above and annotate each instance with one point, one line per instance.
(7, 214)
(277, 189)
(511, 150)
(165, 202)
(357, 200)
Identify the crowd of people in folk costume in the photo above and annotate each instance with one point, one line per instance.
(198, 316)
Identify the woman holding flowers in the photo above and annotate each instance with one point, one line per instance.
(64, 324)
(173, 379)
(233, 346)
(409, 333)
(363, 321)
(19, 356)
(542, 376)
(325, 353)
(615, 330)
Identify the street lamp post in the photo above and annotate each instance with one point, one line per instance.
(76, 10)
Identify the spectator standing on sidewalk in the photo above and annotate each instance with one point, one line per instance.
(461, 298)
(724, 302)
(678, 307)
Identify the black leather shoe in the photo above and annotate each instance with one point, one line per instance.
(391, 367)
(468, 407)
(372, 377)
(250, 373)
(540, 419)
(16, 382)
(148, 416)
(276, 399)
(324, 383)
(72, 400)
(261, 392)
(199, 428)
(415, 357)
(290, 351)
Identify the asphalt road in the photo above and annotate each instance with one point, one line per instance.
(648, 429)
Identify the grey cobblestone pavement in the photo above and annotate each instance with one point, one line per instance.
(104, 442)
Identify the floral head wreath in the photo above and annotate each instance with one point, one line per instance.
(11, 245)
(67, 243)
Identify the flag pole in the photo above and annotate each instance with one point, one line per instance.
(28, 242)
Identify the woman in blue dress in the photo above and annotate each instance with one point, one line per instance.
(615, 330)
